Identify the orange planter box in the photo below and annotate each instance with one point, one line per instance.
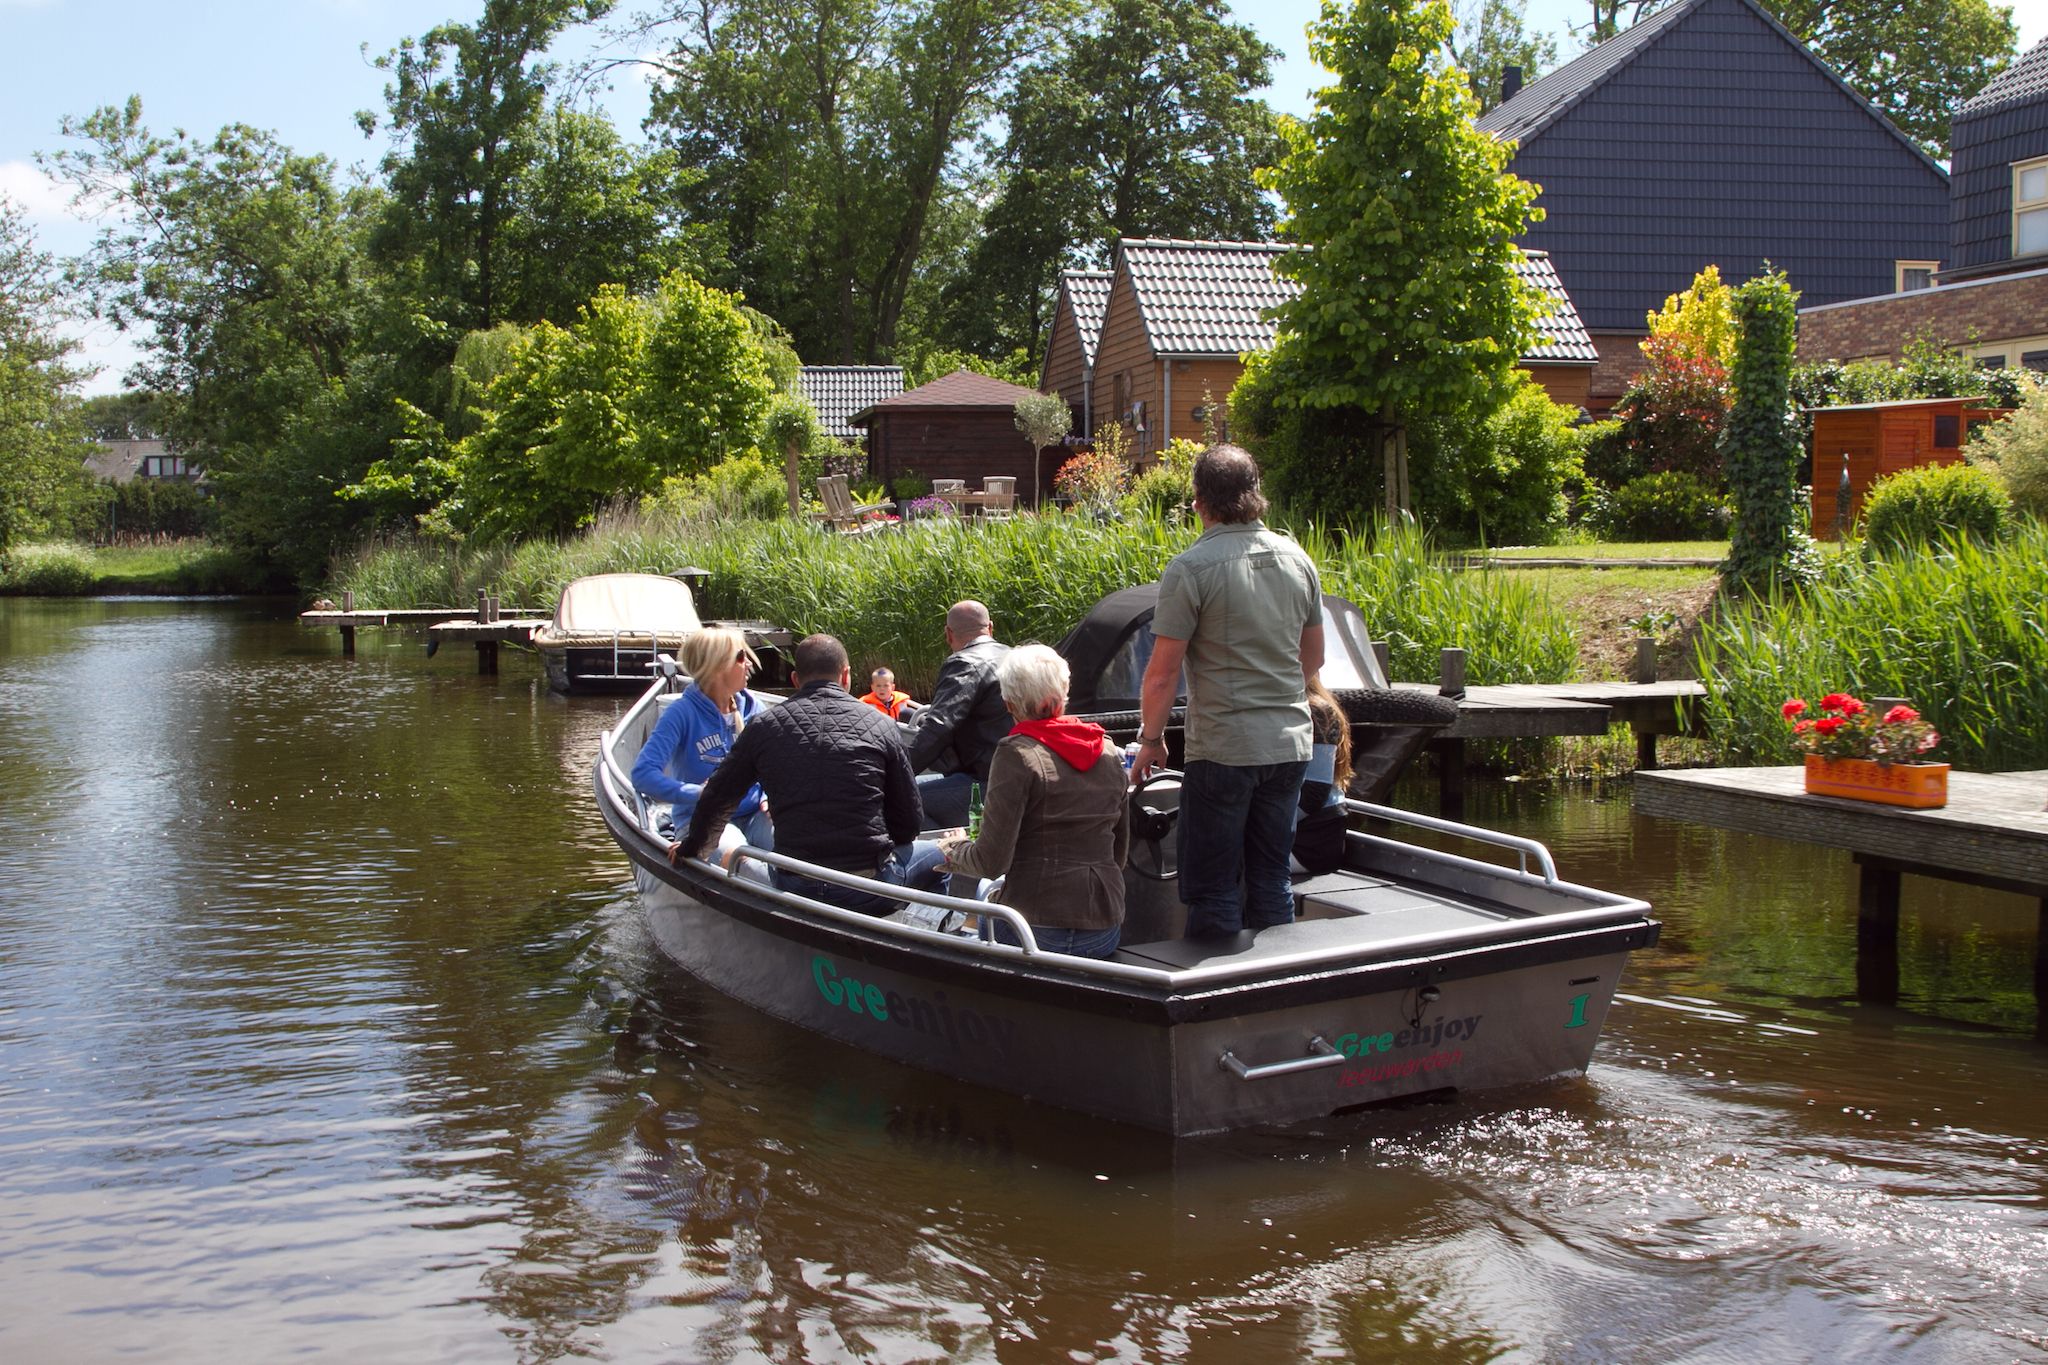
(1922, 786)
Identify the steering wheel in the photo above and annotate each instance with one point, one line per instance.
(1152, 829)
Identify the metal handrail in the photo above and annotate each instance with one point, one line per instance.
(888, 890)
(1513, 842)
(1320, 1055)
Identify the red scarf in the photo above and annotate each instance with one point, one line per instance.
(1079, 742)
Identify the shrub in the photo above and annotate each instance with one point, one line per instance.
(2017, 450)
(1166, 489)
(745, 487)
(1499, 479)
(57, 569)
(909, 485)
(1670, 418)
(1667, 506)
(1934, 503)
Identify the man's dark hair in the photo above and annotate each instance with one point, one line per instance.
(818, 658)
(1227, 482)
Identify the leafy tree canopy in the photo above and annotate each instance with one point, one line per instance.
(42, 438)
(1492, 35)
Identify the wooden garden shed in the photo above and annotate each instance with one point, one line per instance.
(1873, 440)
(961, 426)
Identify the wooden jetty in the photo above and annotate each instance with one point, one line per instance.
(487, 630)
(1993, 832)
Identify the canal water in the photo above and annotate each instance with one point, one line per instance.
(328, 1027)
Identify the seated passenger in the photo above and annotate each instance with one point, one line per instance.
(698, 730)
(842, 787)
(883, 696)
(955, 734)
(1055, 823)
(1319, 821)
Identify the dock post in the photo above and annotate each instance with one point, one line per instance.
(1646, 672)
(2041, 973)
(486, 657)
(1451, 673)
(348, 633)
(1877, 931)
(483, 606)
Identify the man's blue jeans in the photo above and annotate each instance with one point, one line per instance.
(945, 798)
(1235, 829)
(914, 865)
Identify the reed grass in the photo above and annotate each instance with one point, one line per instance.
(1961, 631)
(886, 595)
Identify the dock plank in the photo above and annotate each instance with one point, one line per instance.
(1993, 826)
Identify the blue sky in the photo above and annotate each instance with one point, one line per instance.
(297, 67)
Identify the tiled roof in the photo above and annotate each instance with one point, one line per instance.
(960, 389)
(1087, 294)
(1542, 103)
(1539, 103)
(840, 391)
(1212, 298)
(1206, 298)
(1563, 336)
(2023, 82)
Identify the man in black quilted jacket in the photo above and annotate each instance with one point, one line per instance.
(838, 783)
(956, 735)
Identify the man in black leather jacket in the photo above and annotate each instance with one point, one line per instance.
(839, 787)
(956, 734)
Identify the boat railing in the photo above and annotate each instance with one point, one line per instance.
(1423, 946)
(1524, 848)
(888, 890)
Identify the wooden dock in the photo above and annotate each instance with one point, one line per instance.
(488, 630)
(1993, 832)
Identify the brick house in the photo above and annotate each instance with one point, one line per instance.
(1177, 317)
(1708, 135)
(1991, 299)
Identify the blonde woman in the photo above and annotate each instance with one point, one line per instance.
(1319, 822)
(698, 729)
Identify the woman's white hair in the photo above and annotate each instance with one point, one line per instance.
(713, 648)
(1034, 681)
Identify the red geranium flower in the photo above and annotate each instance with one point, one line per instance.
(1794, 707)
(1899, 715)
(1827, 725)
(1836, 701)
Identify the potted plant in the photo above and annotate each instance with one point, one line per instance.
(1853, 752)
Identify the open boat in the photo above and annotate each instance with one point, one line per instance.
(1409, 970)
(608, 628)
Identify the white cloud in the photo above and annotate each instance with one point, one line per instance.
(40, 197)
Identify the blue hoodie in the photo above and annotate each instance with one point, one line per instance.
(689, 741)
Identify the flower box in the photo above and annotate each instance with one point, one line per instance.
(1919, 786)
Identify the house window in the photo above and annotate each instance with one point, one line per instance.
(163, 466)
(1990, 362)
(1947, 431)
(2030, 207)
(1911, 275)
(2035, 360)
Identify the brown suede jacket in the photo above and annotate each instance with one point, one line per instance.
(1060, 836)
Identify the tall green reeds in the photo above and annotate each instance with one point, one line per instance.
(1962, 631)
(886, 595)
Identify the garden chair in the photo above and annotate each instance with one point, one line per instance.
(845, 515)
(998, 498)
(941, 487)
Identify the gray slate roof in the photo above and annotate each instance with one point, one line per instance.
(1214, 298)
(840, 391)
(2023, 82)
(1087, 294)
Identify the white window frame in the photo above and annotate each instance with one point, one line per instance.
(1899, 269)
(2027, 208)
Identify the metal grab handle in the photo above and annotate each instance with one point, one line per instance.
(1320, 1054)
(1527, 848)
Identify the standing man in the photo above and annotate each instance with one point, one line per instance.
(956, 733)
(1242, 608)
(835, 774)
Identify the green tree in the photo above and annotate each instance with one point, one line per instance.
(1760, 445)
(636, 391)
(829, 134)
(130, 415)
(465, 105)
(242, 265)
(1410, 307)
(1492, 35)
(1144, 122)
(43, 444)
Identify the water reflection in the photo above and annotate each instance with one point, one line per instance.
(327, 1017)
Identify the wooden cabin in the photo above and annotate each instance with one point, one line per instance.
(962, 426)
(1069, 369)
(1874, 440)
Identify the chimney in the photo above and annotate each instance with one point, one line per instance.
(1510, 83)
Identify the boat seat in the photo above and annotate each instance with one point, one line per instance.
(1359, 914)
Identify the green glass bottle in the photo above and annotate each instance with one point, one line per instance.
(974, 810)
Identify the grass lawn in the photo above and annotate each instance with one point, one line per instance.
(173, 567)
(1662, 549)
